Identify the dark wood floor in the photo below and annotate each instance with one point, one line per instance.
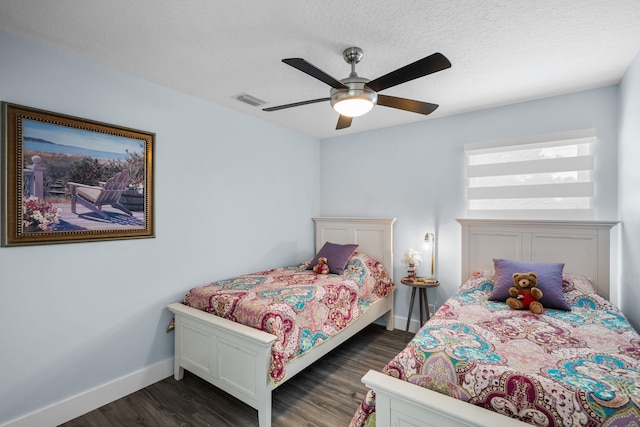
(325, 394)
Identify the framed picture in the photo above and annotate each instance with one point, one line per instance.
(67, 179)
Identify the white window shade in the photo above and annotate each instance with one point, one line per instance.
(542, 177)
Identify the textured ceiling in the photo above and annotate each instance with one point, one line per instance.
(502, 51)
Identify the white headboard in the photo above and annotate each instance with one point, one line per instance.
(373, 235)
(583, 246)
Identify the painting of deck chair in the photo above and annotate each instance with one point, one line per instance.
(94, 197)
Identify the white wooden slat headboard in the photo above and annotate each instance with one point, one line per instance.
(373, 235)
(583, 246)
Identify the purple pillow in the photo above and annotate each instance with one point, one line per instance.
(549, 281)
(337, 256)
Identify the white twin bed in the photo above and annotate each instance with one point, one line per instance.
(584, 248)
(237, 358)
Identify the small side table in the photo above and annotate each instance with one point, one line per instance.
(422, 285)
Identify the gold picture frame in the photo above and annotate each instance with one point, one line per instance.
(67, 179)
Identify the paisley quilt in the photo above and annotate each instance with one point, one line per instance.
(301, 308)
(560, 368)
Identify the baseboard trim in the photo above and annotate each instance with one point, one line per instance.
(75, 406)
(401, 323)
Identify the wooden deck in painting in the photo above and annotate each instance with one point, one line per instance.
(85, 219)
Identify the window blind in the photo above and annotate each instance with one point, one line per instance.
(550, 176)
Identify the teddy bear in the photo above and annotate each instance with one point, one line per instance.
(321, 267)
(525, 293)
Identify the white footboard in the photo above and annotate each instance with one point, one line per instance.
(399, 403)
(231, 356)
(236, 358)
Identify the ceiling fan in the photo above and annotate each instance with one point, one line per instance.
(355, 96)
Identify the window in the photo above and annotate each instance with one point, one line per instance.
(549, 176)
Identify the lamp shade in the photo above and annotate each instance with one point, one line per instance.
(353, 102)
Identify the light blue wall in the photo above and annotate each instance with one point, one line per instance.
(416, 172)
(233, 194)
(629, 191)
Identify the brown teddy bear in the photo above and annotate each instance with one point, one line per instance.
(321, 267)
(525, 293)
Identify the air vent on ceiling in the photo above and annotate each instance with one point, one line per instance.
(248, 99)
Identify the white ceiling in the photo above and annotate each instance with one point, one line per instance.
(502, 51)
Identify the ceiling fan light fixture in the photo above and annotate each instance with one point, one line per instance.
(353, 102)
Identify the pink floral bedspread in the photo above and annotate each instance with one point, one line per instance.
(301, 308)
(560, 368)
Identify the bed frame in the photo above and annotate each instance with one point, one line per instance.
(236, 358)
(584, 248)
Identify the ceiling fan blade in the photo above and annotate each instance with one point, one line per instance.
(295, 104)
(313, 71)
(344, 122)
(407, 104)
(430, 64)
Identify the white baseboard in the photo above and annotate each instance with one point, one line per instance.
(75, 406)
(401, 323)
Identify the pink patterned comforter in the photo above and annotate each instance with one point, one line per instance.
(560, 368)
(301, 308)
